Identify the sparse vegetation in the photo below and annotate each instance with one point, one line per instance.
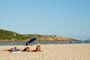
(12, 36)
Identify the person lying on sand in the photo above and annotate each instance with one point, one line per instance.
(38, 48)
(13, 49)
(27, 49)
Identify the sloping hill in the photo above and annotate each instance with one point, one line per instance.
(13, 36)
(9, 35)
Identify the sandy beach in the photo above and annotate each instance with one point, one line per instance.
(50, 52)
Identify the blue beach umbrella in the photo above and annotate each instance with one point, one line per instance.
(31, 40)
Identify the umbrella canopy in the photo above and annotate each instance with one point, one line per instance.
(31, 40)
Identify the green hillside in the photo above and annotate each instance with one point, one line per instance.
(12, 36)
(9, 35)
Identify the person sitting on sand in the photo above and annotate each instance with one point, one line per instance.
(38, 48)
(27, 49)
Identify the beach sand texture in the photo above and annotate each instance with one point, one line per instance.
(50, 52)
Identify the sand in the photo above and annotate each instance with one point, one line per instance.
(50, 52)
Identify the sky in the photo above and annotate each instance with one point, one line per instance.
(68, 18)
